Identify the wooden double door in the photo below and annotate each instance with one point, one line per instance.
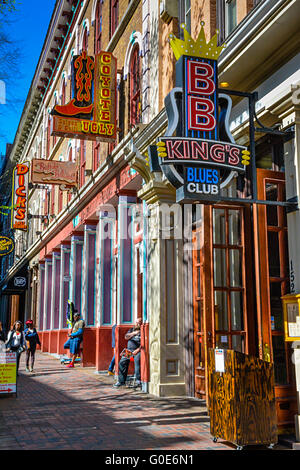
(240, 272)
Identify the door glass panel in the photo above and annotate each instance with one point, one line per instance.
(222, 342)
(272, 211)
(219, 227)
(198, 282)
(276, 306)
(285, 267)
(274, 258)
(238, 343)
(236, 299)
(198, 246)
(220, 278)
(199, 337)
(234, 227)
(235, 268)
(221, 312)
(279, 360)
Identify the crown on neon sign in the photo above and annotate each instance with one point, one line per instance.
(198, 48)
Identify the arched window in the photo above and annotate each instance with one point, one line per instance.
(48, 136)
(54, 104)
(135, 87)
(114, 16)
(85, 40)
(98, 27)
(96, 159)
(82, 161)
(70, 159)
(52, 199)
(63, 92)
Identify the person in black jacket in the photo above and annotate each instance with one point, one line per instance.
(2, 338)
(2, 333)
(31, 340)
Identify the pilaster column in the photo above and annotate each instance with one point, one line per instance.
(89, 275)
(125, 252)
(165, 292)
(65, 279)
(56, 261)
(292, 173)
(41, 296)
(76, 272)
(107, 272)
(48, 294)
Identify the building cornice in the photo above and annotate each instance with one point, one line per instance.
(266, 39)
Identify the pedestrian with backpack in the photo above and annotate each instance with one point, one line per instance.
(31, 341)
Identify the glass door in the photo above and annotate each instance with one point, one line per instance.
(229, 279)
(221, 272)
(274, 283)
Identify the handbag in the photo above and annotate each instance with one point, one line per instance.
(20, 349)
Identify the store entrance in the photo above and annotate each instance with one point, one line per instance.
(274, 283)
(240, 273)
(222, 269)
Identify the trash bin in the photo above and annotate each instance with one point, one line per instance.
(241, 399)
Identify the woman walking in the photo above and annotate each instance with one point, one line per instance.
(31, 340)
(2, 337)
(15, 341)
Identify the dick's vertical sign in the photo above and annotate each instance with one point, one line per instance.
(20, 196)
(191, 154)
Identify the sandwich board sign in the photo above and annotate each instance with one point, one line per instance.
(8, 373)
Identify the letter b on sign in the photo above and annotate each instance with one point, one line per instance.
(201, 114)
(200, 78)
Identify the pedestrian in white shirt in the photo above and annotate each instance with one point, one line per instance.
(15, 341)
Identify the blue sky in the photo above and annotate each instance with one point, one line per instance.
(28, 29)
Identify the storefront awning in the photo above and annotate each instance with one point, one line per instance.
(18, 284)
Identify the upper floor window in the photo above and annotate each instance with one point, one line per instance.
(185, 13)
(82, 161)
(135, 87)
(98, 27)
(63, 92)
(48, 136)
(70, 159)
(230, 16)
(226, 18)
(85, 41)
(114, 15)
(96, 156)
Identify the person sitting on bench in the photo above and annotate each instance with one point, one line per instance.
(134, 349)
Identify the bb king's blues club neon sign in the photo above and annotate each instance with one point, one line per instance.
(198, 154)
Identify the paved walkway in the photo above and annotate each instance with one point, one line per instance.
(60, 408)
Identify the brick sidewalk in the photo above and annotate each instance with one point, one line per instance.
(59, 408)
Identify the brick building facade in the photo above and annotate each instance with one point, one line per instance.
(181, 294)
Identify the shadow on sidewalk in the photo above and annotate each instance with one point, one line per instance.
(75, 410)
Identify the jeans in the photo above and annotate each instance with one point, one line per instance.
(112, 364)
(123, 368)
(18, 355)
(73, 344)
(30, 352)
